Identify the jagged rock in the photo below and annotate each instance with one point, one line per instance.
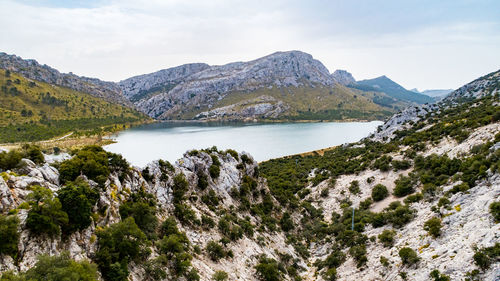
(7, 200)
(343, 77)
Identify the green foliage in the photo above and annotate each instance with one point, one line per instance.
(142, 207)
(404, 186)
(358, 252)
(413, 198)
(33, 111)
(387, 237)
(33, 153)
(268, 270)
(486, 256)
(10, 160)
(9, 234)
(495, 211)
(56, 268)
(184, 213)
(179, 187)
(383, 163)
(77, 199)
(286, 222)
(408, 256)
(215, 251)
(214, 171)
(437, 276)
(202, 180)
(433, 226)
(119, 244)
(384, 261)
(94, 162)
(220, 275)
(354, 187)
(46, 214)
(379, 192)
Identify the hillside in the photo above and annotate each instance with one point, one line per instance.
(31, 69)
(31, 110)
(281, 86)
(424, 190)
(391, 88)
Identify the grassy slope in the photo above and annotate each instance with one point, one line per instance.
(28, 113)
(318, 103)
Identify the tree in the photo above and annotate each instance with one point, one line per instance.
(215, 251)
(9, 234)
(10, 160)
(117, 245)
(62, 268)
(495, 211)
(77, 200)
(408, 256)
(433, 226)
(267, 269)
(142, 207)
(179, 187)
(46, 214)
(379, 192)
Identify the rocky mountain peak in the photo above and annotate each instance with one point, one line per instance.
(343, 77)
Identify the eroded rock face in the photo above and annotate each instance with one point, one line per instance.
(202, 85)
(343, 77)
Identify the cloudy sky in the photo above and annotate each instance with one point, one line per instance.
(422, 44)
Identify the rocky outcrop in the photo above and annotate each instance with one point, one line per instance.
(343, 77)
(206, 87)
(31, 69)
(486, 85)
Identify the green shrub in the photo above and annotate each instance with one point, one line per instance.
(404, 186)
(354, 187)
(401, 165)
(117, 245)
(179, 187)
(173, 244)
(220, 275)
(358, 252)
(286, 222)
(433, 226)
(215, 251)
(268, 270)
(10, 160)
(413, 198)
(184, 213)
(437, 276)
(408, 256)
(33, 153)
(495, 211)
(379, 192)
(214, 171)
(77, 200)
(330, 274)
(142, 207)
(202, 180)
(384, 261)
(56, 268)
(45, 215)
(9, 234)
(486, 256)
(91, 161)
(387, 237)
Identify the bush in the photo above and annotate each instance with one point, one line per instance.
(220, 275)
(179, 187)
(286, 222)
(33, 153)
(486, 256)
(354, 187)
(185, 214)
(10, 160)
(92, 161)
(202, 180)
(387, 237)
(379, 192)
(408, 256)
(56, 268)
(214, 171)
(495, 211)
(433, 226)
(437, 276)
(46, 214)
(267, 269)
(77, 200)
(404, 186)
(215, 251)
(117, 245)
(142, 207)
(9, 234)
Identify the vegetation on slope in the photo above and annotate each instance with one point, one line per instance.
(32, 110)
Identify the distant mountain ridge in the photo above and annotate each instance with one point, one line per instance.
(434, 93)
(31, 69)
(386, 85)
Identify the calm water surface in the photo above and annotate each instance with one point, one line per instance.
(169, 141)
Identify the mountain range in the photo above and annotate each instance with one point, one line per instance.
(282, 86)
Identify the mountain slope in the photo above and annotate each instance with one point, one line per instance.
(31, 110)
(424, 195)
(31, 69)
(391, 88)
(199, 90)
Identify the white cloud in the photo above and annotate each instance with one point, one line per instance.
(122, 38)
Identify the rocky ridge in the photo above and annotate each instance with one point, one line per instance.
(31, 69)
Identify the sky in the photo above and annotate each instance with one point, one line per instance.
(419, 44)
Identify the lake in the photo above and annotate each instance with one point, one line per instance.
(169, 141)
